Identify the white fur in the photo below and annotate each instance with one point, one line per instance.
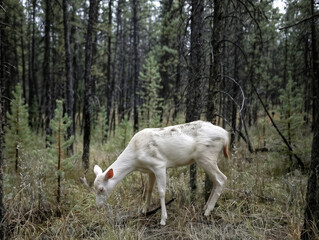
(153, 150)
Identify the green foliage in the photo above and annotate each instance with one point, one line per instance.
(18, 136)
(150, 80)
(122, 136)
(100, 128)
(292, 114)
(291, 110)
(291, 98)
(125, 129)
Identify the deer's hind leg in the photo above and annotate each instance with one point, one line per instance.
(209, 164)
(151, 181)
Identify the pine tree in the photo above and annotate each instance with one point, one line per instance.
(100, 129)
(124, 130)
(18, 133)
(150, 81)
(58, 144)
(291, 111)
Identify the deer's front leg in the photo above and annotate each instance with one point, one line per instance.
(161, 184)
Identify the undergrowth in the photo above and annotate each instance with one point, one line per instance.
(261, 199)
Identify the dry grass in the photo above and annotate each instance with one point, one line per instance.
(260, 201)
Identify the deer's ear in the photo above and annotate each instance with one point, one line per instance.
(97, 170)
(109, 174)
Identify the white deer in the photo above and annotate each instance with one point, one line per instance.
(153, 150)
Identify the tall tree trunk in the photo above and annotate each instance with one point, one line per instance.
(215, 68)
(2, 210)
(109, 84)
(69, 73)
(307, 90)
(311, 220)
(76, 72)
(194, 88)
(47, 101)
(15, 70)
(215, 73)
(181, 41)
(88, 85)
(121, 60)
(164, 41)
(234, 105)
(23, 60)
(32, 72)
(136, 63)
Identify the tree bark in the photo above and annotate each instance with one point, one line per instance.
(88, 84)
(164, 41)
(47, 99)
(109, 84)
(120, 56)
(32, 72)
(181, 42)
(120, 39)
(69, 73)
(136, 63)
(2, 210)
(23, 60)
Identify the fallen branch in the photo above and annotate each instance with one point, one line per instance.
(301, 164)
(156, 209)
(261, 149)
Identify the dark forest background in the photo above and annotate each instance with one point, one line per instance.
(120, 66)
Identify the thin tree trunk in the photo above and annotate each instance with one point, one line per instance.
(121, 60)
(109, 89)
(69, 73)
(47, 101)
(23, 61)
(15, 72)
(2, 210)
(136, 64)
(234, 105)
(32, 74)
(164, 41)
(77, 103)
(180, 39)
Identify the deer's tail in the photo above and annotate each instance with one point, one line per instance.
(225, 148)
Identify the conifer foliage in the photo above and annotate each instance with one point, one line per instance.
(18, 133)
(150, 79)
(58, 144)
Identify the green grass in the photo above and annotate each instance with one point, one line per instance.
(261, 200)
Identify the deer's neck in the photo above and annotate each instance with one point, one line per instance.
(122, 166)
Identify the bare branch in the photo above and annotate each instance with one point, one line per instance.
(242, 92)
(301, 164)
(301, 21)
(237, 46)
(84, 181)
(158, 208)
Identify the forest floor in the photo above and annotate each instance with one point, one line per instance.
(261, 199)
